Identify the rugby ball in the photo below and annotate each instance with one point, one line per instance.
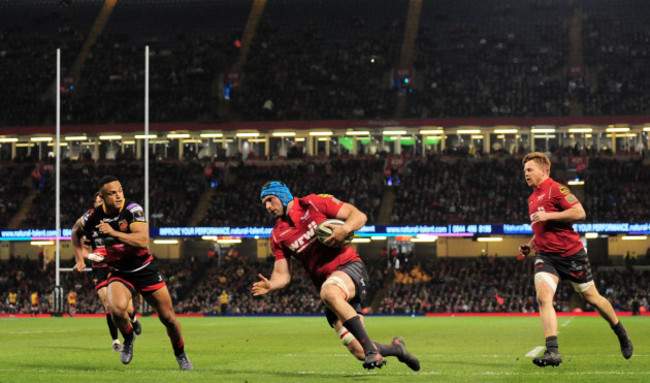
(323, 232)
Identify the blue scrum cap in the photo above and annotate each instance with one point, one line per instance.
(277, 189)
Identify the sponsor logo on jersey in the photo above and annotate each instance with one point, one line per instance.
(304, 240)
(571, 199)
(564, 190)
(123, 225)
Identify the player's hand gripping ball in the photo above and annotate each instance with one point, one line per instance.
(323, 232)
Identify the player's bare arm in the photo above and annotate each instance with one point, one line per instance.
(573, 214)
(354, 220)
(280, 277)
(80, 253)
(138, 237)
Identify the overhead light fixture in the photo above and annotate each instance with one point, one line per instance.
(361, 240)
(229, 240)
(506, 131)
(646, 129)
(617, 130)
(489, 239)
(300, 139)
(424, 238)
(321, 133)
(283, 134)
(41, 139)
(580, 130)
(323, 139)
(165, 241)
(41, 243)
(576, 182)
(178, 135)
(129, 142)
(635, 237)
(54, 144)
(393, 132)
(143, 136)
(378, 238)
(542, 130)
(247, 134)
(357, 133)
(477, 136)
(24, 144)
(432, 131)
(110, 137)
(468, 131)
(209, 238)
(8, 139)
(591, 235)
(211, 135)
(76, 138)
(257, 140)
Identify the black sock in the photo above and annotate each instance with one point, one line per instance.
(355, 326)
(619, 330)
(179, 349)
(111, 326)
(128, 334)
(388, 349)
(551, 344)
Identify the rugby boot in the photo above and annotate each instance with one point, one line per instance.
(406, 357)
(549, 358)
(184, 362)
(626, 346)
(374, 360)
(127, 350)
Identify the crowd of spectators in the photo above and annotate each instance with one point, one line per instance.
(13, 189)
(434, 189)
(435, 285)
(491, 59)
(174, 190)
(616, 41)
(322, 61)
(317, 61)
(493, 284)
(24, 276)
(236, 201)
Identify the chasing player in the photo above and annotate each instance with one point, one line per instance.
(101, 273)
(336, 269)
(560, 254)
(122, 227)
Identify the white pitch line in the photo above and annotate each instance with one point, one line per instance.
(567, 322)
(533, 353)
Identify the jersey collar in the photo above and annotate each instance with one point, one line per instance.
(544, 185)
(121, 207)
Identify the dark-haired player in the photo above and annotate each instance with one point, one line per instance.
(335, 269)
(101, 273)
(122, 227)
(553, 209)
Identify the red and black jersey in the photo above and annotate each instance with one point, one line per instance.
(116, 254)
(553, 237)
(296, 237)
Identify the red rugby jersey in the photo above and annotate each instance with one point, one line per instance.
(297, 238)
(553, 237)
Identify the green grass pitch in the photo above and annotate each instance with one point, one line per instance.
(305, 349)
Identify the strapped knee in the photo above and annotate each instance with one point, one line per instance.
(545, 277)
(346, 336)
(338, 282)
